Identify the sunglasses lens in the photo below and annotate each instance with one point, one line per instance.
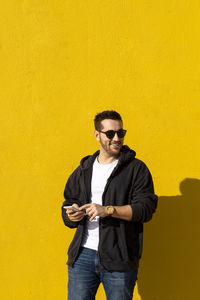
(121, 133)
(110, 134)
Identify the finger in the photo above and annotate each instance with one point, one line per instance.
(93, 215)
(89, 211)
(68, 210)
(75, 205)
(76, 214)
(78, 218)
(90, 208)
(85, 206)
(71, 212)
(75, 218)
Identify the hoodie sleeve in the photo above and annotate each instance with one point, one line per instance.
(143, 200)
(71, 195)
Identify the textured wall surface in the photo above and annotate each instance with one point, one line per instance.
(61, 63)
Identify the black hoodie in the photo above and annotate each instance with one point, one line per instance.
(120, 241)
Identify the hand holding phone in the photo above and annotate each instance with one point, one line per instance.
(74, 213)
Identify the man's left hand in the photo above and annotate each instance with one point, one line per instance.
(93, 210)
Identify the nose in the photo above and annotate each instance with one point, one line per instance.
(116, 138)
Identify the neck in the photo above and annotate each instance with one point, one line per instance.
(106, 159)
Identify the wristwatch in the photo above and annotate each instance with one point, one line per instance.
(110, 210)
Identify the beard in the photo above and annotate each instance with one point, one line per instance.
(111, 148)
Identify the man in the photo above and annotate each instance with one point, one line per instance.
(113, 192)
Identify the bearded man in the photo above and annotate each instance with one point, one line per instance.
(111, 195)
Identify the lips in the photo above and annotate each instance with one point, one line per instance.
(115, 145)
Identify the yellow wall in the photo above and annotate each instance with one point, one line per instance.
(61, 63)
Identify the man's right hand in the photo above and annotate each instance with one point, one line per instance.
(75, 216)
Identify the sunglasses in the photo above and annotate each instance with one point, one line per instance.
(111, 133)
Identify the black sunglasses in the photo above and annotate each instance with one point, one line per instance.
(111, 133)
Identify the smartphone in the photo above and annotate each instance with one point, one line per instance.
(71, 207)
(74, 208)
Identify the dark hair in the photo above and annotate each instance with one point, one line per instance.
(107, 114)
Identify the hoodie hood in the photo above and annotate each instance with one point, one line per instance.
(126, 155)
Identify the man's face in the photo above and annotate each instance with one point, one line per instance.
(112, 146)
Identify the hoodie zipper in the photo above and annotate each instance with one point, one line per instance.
(103, 202)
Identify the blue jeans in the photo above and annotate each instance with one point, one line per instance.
(86, 275)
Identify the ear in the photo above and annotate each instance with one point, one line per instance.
(96, 135)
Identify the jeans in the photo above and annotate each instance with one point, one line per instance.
(86, 275)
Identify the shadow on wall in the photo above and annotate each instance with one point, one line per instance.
(170, 266)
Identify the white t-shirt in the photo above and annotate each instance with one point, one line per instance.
(100, 175)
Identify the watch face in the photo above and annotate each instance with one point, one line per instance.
(110, 210)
